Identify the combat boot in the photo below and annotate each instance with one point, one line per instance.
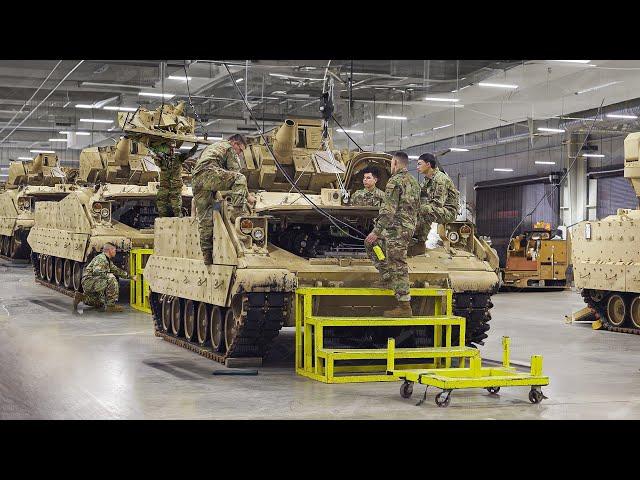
(381, 283)
(113, 308)
(77, 298)
(208, 257)
(403, 309)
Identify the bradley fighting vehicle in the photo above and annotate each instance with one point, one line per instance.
(28, 183)
(236, 307)
(606, 257)
(115, 201)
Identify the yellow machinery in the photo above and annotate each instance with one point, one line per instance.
(316, 360)
(139, 289)
(449, 379)
(536, 260)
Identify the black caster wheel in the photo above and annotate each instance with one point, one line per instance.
(443, 399)
(406, 389)
(493, 389)
(536, 396)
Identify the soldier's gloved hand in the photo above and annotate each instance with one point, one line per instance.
(251, 199)
(371, 238)
(134, 278)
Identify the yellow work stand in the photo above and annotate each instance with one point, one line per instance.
(314, 360)
(449, 379)
(139, 289)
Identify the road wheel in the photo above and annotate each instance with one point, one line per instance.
(616, 310)
(177, 326)
(190, 320)
(229, 328)
(59, 270)
(50, 261)
(68, 273)
(77, 276)
(202, 323)
(43, 266)
(4, 245)
(634, 311)
(217, 323)
(166, 314)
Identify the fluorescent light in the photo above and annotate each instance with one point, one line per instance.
(177, 77)
(497, 85)
(503, 169)
(95, 120)
(436, 99)
(212, 121)
(25, 158)
(57, 139)
(42, 151)
(572, 61)
(153, 94)
(598, 87)
(594, 155)
(83, 105)
(279, 92)
(77, 133)
(348, 131)
(413, 157)
(66, 104)
(615, 115)
(456, 149)
(461, 88)
(554, 130)
(83, 133)
(442, 126)
(540, 162)
(392, 117)
(120, 109)
(239, 80)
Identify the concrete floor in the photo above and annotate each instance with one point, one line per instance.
(55, 365)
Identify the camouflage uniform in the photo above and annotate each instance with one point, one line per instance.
(169, 200)
(394, 227)
(99, 281)
(217, 169)
(439, 202)
(366, 198)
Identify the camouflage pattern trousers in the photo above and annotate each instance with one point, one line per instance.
(429, 214)
(100, 291)
(205, 183)
(169, 201)
(393, 269)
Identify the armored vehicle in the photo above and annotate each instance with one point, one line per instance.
(69, 233)
(28, 183)
(606, 257)
(235, 307)
(536, 260)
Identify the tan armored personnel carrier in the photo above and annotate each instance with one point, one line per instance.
(69, 233)
(606, 257)
(28, 183)
(235, 307)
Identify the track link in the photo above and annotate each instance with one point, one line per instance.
(263, 315)
(600, 313)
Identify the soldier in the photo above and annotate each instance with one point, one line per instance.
(439, 198)
(218, 168)
(370, 195)
(393, 229)
(169, 201)
(99, 282)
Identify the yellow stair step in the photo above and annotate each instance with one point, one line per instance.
(381, 353)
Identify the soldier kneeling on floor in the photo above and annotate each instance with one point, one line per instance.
(100, 282)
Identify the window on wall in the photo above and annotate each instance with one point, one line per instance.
(500, 209)
(614, 193)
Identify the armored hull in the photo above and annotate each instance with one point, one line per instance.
(606, 257)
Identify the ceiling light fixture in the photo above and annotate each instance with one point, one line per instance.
(25, 158)
(413, 157)
(436, 99)
(461, 88)
(442, 126)
(348, 131)
(120, 109)
(503, 169)
(597, 87)
(553, 130)
(42, 151)
(153, 94)
(177, 77)
(456, 149)
(83, 133)
(83, 105)
(540, 162)
(95, 120)
(498, 85)
(239, 80)
(391, 117)
(571, 61)
(594, 155)
(57, 139)
(615, 115)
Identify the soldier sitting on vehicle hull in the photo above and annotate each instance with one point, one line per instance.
(100, 282)
(370, 195)
(218, 169)
(393, 229)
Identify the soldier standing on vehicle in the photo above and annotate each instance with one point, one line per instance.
(100, 282)
(370, 195)
(393, 229)
(218, 169)
(169, 200)
(439, 198)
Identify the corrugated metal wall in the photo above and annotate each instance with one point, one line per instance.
(614, 193)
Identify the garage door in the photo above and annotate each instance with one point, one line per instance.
(614, 193)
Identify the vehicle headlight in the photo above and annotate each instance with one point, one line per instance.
(454, 237)
(104, 212)
(97, 206)
(246, 226)
(257, 234)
